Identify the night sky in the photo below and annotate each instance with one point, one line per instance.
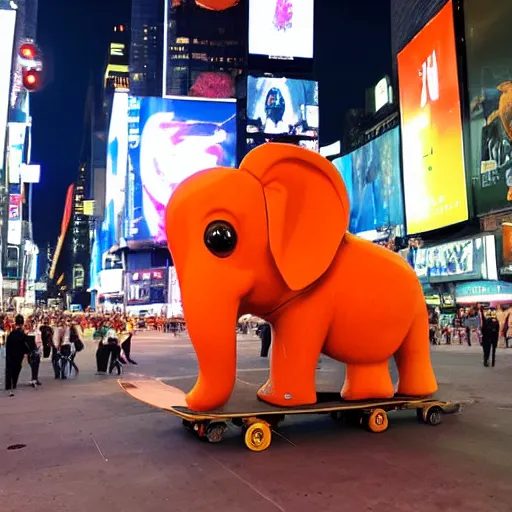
(353, 51)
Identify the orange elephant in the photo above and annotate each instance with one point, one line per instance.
(270, 239)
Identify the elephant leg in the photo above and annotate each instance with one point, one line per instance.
(296, 347)
(416, 375)
(364, 381)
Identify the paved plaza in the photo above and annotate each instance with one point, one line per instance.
(89, 447)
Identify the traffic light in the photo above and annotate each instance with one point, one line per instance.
(31, 79)
(28, 51)
(31, 64)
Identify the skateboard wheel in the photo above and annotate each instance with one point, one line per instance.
(258, 437)
(336, 415)
(419, 414)
(377, 421)
(434, 416)
(215, 432)
(188, 425)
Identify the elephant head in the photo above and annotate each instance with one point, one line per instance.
(246, 241)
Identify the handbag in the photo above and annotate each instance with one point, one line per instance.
(75, 339)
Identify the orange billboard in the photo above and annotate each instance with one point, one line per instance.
(432, 146)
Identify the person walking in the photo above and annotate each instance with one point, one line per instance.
(15, 349)
(266, 339)
(490, 336)
(34, 355)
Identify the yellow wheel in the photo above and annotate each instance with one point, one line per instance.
(378, 421)
(258, 437)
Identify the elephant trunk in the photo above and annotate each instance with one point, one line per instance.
(212, 329)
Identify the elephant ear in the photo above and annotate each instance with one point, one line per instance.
(307, 209)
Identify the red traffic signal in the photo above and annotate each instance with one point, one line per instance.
(28, 51)
(31, 79)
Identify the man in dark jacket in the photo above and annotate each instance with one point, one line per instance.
(490, 336)
(15, 349)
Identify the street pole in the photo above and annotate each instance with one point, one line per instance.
(125, 281)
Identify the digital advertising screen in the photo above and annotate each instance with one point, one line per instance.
(489, 71)
(281, 29)
(433, 155)
(464, 259)
(116, 172)
(278, 108)
(7, 26)
(372, 177)
(147, 287)
(14, 224)
(171, 139)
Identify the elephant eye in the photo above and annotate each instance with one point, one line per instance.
(220, 238)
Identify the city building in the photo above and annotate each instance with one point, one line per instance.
(199, 41)
(18, 253)
(146, 48)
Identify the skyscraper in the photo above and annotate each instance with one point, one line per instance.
(201, 41)
(146, 51)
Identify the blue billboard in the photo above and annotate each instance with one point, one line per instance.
(170, 139)
(372, 177)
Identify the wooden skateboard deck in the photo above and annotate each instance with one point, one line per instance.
(167, 398)
(258, 419)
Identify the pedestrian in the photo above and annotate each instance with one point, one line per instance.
(15, 349)
(46, 337)
(490, 336)
(472, 323)
(65, 345)
(34, 356)
(102, 352)
(507, 329)
(266, 339)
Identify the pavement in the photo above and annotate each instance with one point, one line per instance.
(89, 447)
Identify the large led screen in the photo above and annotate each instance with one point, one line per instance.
(117, 162)
(282, 106)
(7, 25)
(281, 28)
(372, 177)
(433, 156)
(169, 140)
(489, 65)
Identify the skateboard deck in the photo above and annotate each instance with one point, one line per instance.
(168, 398)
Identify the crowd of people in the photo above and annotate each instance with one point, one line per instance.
(60, 337)
(475, 324)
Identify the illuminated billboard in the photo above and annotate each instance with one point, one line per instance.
(7, 26)
(281, 107)
(117, 164)
(433, 156)
(461, 260)
(489, 69)
(281, 28)
(147, 287)
(169, 140)
(14, 224)
(372, 177)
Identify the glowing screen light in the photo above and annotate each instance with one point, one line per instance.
(171, 139)
(7, 25)
(281, 28)
(433, 155)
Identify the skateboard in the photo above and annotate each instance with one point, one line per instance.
(258, 419)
